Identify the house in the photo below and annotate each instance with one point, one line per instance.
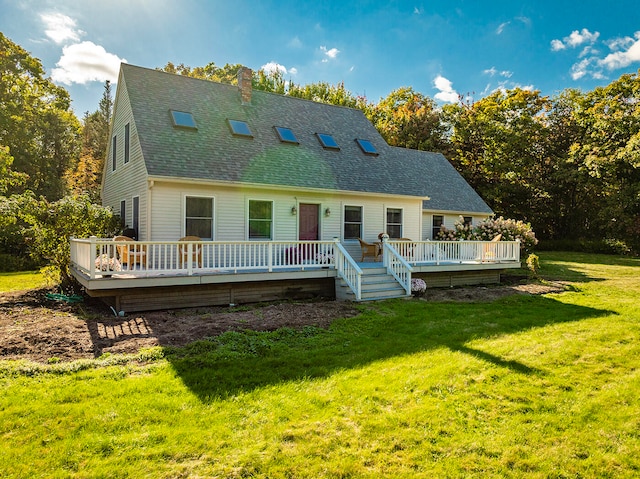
(228, 164)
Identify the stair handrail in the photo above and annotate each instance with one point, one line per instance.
(397, 266)
(348, 269)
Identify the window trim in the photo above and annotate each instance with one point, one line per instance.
(114, 150)
(325, 145)
(235, 132)
(433, 227)
(279, 132)
(467, 221)
(272, 220)
(181, 125)
(127, 149)
(344, 222)
(135, 214)
(401, 224)
(123, 213)
(213, 214)
(364, 146)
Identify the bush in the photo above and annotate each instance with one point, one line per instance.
(511, 230)
(605, 246)
(11, 264)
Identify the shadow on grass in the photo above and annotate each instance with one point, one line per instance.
(240, 362)
(554, 265)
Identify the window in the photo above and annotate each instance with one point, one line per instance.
(199, 217)
(240, 128)
(367, 147)
(286, 135)
(114, 143)
(436, 225)
(394, 222)
(327, 141)
(260, 220)
(467, 220)
(183, 119)
(126, 143)
(123, 213)
(352, 222)
(136, 215)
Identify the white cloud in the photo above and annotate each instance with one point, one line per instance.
(501, 27)
(273, 66)
(446, 93)
(575, 39)
(85, 62)
(624, 58)
(60, 28)
(493, 72)
(330, 53)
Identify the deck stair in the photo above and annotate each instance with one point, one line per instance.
(377, 284)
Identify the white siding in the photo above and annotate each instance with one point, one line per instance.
(128, 180)
(230, 212)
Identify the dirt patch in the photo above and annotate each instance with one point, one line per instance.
(36, 328)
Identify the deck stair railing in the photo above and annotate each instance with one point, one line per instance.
(348, 269)
(396, 265)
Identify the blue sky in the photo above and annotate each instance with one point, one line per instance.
(440, 48)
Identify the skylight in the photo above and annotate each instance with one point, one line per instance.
(240, 128)
(367, 147)
(327, 141)
(286, 135)
(183, 119)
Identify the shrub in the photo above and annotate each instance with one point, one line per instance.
(511, 230)
(533, 264)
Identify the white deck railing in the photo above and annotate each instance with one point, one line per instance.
(98, 257)
(397, 266)
(447, 252)
(348, 270)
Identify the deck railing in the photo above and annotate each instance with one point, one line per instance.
(348, 270)
(447, 252)
(99, 257)
(397, 266)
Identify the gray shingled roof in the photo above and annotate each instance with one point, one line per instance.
(213, 153)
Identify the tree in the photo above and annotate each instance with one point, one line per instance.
(408, 119)
(86, 176)
(36, 122)
(501, 148)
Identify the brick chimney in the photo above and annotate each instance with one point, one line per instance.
(245, 77)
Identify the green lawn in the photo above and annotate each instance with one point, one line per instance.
(21, 281)
(540, 387)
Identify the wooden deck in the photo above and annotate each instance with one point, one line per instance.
(222, 273)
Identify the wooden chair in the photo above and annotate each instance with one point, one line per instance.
(489, 251)
(196, 251)
(130, 254)
(406, 250)
(369, 249)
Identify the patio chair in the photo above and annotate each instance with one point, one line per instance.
(489, 251)
(132, 254)
(196, 251)
(369, 249)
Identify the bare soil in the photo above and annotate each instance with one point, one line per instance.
(36, 328)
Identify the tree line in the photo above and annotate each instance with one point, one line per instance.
(568, 164)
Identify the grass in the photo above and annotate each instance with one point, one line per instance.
(23, 280)
(540, 387)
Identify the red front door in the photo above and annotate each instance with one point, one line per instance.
(308, 221)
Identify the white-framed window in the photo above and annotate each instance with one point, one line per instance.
(394, 222)
(114, 157)
(352, 222)
(436, 225)
(260, 220)
(126, 143)
(123, 213)
(135, 217)
(198, 218)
